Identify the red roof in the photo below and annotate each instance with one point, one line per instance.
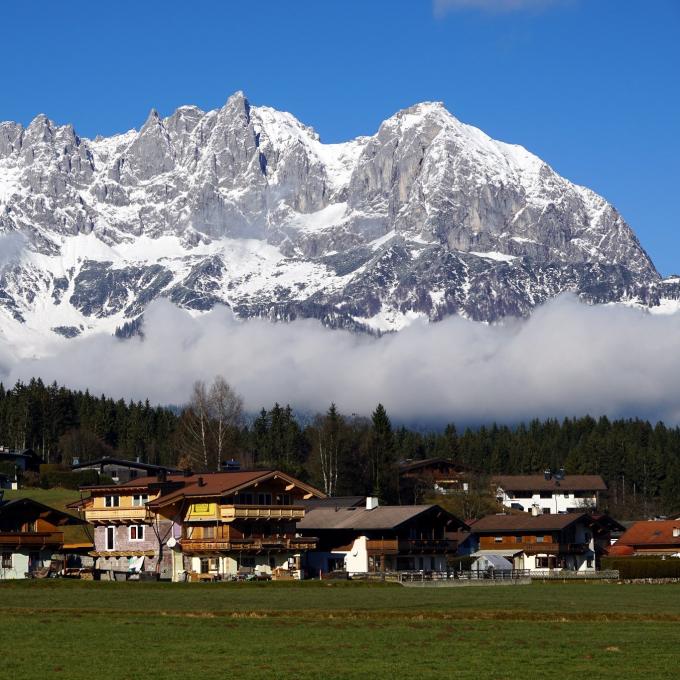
(652, 533)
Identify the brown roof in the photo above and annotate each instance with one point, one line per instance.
(525, 522)
(360, 519)
(409, 465)
(210, 484)
(652, 533)
(540, 483)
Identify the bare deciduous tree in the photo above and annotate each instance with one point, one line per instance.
(225, 411)
(210, 417)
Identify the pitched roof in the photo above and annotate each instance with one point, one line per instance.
(651, 533)
(334, 502)
(211, 484)
(540, 483)
(59, 517)
(121, 462)
(410, 464)
(525, 522)
(361, 519)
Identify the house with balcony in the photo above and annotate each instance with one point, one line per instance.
(30, 534)
(200, 526)
(375, 538)
(537, 542)
(549, 493)
(418, 478)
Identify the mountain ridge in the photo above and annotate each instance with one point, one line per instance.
(245, 206)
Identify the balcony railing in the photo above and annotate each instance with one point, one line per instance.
(393, 546)
(427, 545)
(31, 539)
(246, 544)
(380, 546)
(116, 515)
(267, 512)
(553, 548)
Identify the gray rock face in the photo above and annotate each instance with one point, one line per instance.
(245, 206)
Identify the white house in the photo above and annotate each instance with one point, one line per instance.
(549, 493)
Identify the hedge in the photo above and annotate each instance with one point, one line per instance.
(66, 479)
(643, 567)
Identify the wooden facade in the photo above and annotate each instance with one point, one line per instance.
(30, 534)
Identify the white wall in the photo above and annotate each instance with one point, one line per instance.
(20, 565)
(557, 503)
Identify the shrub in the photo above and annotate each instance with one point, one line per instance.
(643, 567)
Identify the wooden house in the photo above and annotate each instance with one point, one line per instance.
(209, 525)
(30, 534)
(376, 538)
(572, 542)
(417, 478)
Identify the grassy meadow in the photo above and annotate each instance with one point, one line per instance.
(337, 630)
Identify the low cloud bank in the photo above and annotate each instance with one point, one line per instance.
(567, 359)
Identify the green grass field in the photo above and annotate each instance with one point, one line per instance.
(337, 630)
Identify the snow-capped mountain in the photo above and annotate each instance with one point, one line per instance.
(245, 206)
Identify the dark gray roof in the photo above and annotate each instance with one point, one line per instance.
(358, 519)
(121, 462)
(334, 502)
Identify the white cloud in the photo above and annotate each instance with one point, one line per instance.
(441, 7)
(567, 359)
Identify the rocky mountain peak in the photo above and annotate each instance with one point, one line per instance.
(245, 206)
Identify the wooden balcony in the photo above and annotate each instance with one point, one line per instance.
(251, 545)
(428, 546)
(38, 539)
(116, 515)
(393, 546)
(229, 513)
(554, 548)
(382, 546)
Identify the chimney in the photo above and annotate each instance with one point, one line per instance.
(200, 481)
(547, 474)
(676, 532)
(535, 510)
(371, 502)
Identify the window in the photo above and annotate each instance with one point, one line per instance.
(518, 539)
(284, 499)
(546, 494)
(245, 499)
(498, 539)
(137, 532)
(110, 538)
(542, 563)
(7, 560)
(546, 511)
(539, 539)
(264, 499)
(140, 500)
(111, 501)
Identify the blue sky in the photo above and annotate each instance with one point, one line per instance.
(591, 86)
